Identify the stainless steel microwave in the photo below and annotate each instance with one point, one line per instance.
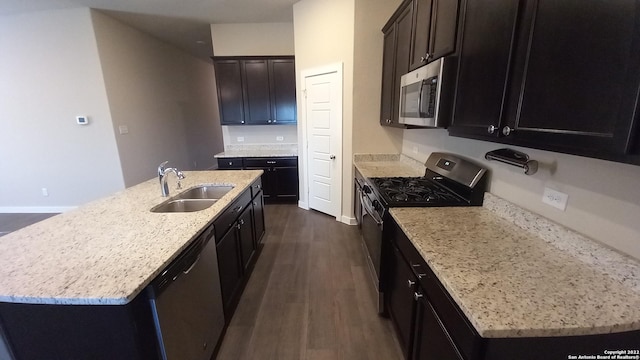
(426, 94)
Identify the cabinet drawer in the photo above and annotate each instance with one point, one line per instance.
(270, 162)
(230, 163)
(256, 187)
(229, 216)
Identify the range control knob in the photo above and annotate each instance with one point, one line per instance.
(376, 205)
(366, 189)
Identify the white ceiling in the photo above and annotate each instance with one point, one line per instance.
(184, 23)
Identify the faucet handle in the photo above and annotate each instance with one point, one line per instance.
(180, 174)
(161, 168)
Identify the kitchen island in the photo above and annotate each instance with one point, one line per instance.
(79, 277)
(507, 283)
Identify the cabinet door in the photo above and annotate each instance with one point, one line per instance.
(286, 180)
(257, 92)
(444, 24)
(421, 33)
(399, 299)
(388, 83)
(258, 218)
(245, 237)
(431, 339)
(487, 30)
(283, 91)
(580, 75)
(230, 269)
(403, 52)
(230, 94)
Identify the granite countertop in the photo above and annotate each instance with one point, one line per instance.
(107, 251)
(383, 165)
(516, 274)
(256, 153)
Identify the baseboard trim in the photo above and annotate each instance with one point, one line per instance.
(35, 209)
(303, 204)
(349, 220)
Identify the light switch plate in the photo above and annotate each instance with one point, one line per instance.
(123, 129)
(279, 138)
(555, 198)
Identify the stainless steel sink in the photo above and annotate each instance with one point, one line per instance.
(183, 205)
(195, 199)
(205, 192)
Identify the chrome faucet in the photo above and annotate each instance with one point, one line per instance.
(162, 177)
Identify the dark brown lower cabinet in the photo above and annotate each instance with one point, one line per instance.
(230, 270)
(399, 299)
(431, 341)
(258, 218)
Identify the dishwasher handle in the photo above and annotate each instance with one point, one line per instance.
(188, 270)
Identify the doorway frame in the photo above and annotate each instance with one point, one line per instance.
(336, 67)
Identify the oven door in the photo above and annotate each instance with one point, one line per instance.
(372, 236)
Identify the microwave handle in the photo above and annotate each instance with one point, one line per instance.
(422, 86)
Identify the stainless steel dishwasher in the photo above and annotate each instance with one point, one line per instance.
(187, 302)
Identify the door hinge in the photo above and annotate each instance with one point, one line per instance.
(304, 92)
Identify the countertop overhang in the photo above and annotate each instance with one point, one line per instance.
(107, 251)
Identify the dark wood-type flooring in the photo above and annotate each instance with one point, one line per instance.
(309, 296)
(13, 222)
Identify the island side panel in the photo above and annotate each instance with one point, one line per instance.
(41, 331)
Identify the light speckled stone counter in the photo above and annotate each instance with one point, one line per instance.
(258, 151)
(107, 251)
(512, 282)
(380, 165)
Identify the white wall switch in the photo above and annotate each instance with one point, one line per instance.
(279, 138)
(123, 129)
(45, 192)
(240, 138)
(82, 120)
(555, 198)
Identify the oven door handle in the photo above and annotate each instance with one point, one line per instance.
(368, 210)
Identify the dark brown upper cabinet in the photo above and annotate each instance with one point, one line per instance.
(230, 93)
(434, 30)
(553, 75)
(260, 91)
(395, 62)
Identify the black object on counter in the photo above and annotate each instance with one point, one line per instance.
(514, 158)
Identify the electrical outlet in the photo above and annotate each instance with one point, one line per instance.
(240, 138)
(555, 198)
(45, 192)
(279, 138)
(123, 129)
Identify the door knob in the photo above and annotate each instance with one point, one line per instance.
(332, 157)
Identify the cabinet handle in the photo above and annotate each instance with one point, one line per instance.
(275, 120)
(255, 203)
(417, 296)
(241, 221)
(506, 131)
(491, 129)
(242, 122)
(269, 121)
(388, 121)
(410, 283)
(332, 157)
(230, 162)
(422, 59)
(238, 209)
(238, 226)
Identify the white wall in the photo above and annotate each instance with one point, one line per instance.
(324, 34)
(252, 40)
(260, 134)
(49, 73)
(370, 16)
(164, 96)
(604, 200)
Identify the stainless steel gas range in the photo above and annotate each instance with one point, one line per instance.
(449, 180)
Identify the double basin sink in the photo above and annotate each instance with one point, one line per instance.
(194, 199)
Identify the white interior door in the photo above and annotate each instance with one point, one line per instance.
(323, 113)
